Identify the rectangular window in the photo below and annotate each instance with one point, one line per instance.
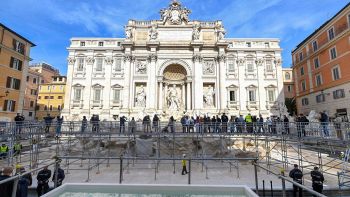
(39, 97)
(300, 56)
(31, 103)
(337, 94)
(100, 44)
(52, 97)
(16, 63)
(289, 88)
(271, 95)
(118, 65)
(231, 66)
(302, 71)
(18, 46)
(250, 66)
(269, 66)
(9, 105)
(316, 62)
(333, 53)
(318, 80)
(305, 101)
(267, 45)
(77, 94)
(13, 83)
(80, 64)
(51, 107)
(314, 45)
(320, 98)
(46, 97)
(251, 95)
(336, 73)
(60, 97)
(303, 86)
(232, 95)
(82, 44)
(30, 114)
(116, 95)
(97, 95)
(27, 78)
(48, 87)
(34, 80)
(99, 62)
(331, 33)
(45, 108)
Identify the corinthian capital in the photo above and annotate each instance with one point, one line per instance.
(90, 60)
(278, 62)
(222, 58)
(197, 58)
(109, 61)
(259, 62)
(128, 58)
(152, 57)
(71, 60)
(240, 61)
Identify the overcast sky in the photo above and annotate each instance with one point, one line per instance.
(51, 23)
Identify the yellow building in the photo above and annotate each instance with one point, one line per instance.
(14, 61)
(51, 97)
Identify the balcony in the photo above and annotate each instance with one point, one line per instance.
(233, 105)
(97, 103)
(116, 103)
(77, 104)
(271, 104)
(252, 104)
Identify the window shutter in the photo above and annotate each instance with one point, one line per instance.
(11, 62)
(19, 65)
(8, 82)
(5, 106)
(14, 44)
(13, 106)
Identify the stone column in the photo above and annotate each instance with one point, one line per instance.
(188, 96)
(198, 82)
(160, 96)
(151, 84)
(165, 92)
(222, 98)
(183, 95)
(126, 94)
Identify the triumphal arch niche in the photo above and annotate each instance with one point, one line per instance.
(173, 66)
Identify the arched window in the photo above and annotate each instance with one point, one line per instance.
(287, 76)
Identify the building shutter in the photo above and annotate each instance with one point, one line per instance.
(11, 62)
(5, 105)
(13, 106)
(19, 65)
(8, 82)
(14, 44)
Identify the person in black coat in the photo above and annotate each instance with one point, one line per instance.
(155, 123)
(6, 188)
(43, 178)
(296, 174)
(224, 120)
(48, 121)
(60, 176)
(122, 124)
(19, 119)
(317, 180)
(23, 183)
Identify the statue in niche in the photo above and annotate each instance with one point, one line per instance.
(208, 67)
(141, 97)
(173, 99)
(195, 32)
(153, 33)
(209, 97)
(141, 67)
(128, 33)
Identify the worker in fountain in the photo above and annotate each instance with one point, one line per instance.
(183, 161)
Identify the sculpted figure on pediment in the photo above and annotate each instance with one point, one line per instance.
(196, 32)
(128, 33)
(153, 33)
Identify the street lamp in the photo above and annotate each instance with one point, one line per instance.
(6, 94)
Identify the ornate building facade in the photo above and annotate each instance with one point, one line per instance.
(173, 66)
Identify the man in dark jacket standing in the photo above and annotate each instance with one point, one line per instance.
(224, 120)
(60, 176)
(6, 188)
(23, 183)
(317, 180)
(43, 178)
(296, 174)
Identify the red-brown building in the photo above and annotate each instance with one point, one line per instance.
(321, 67)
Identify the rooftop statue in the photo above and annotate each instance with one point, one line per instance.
(175, 13)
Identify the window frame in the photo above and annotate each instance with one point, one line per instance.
(302, 71)
(331, 54)
(333, 33)
(304, 101)
(303, 85)
(318, 62)
(314, 45)
(339, 72)
(318, 80)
